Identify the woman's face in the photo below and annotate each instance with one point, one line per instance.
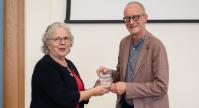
(59, 43)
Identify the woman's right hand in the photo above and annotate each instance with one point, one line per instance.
(99, 90)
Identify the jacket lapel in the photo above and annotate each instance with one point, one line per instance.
(126, 55)
(142, 54)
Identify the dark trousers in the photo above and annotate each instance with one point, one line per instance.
(124, 104)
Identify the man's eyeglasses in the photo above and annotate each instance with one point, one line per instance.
(134, 18)
(59, 39)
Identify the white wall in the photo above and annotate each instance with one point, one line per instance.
(97, 44)
(115, 7)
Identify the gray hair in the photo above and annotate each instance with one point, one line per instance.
(49, 33)
(136, 2)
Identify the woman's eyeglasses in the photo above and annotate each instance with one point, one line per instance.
(59, 39)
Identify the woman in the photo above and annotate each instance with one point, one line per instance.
(55, 81)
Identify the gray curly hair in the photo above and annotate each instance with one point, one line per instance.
(49, 33)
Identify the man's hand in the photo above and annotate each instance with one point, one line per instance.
(102, 69)
(119, 88)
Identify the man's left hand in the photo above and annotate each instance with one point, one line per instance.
(119, 88)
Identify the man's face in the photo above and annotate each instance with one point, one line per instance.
(135, 19)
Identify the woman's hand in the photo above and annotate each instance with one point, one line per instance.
(99, 90)
(97, 83)
(95, 91)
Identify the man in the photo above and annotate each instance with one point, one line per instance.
(141, 78)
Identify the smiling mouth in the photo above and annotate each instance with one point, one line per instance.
(132, 26)
(62, 49)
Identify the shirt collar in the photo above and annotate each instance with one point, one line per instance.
(139, 42)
